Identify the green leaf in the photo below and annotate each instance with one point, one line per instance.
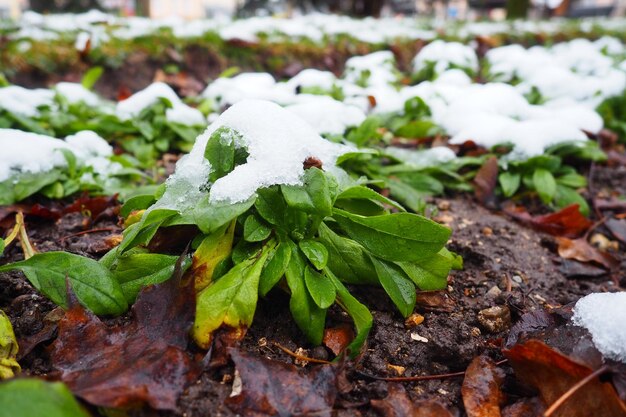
(91, 77)
(308, 316)
(509, 182)
(8, 349)
(429, 274)
(346, 258)
(396, 284)
(138, 202)
(2, 246)
(210, 216)
(316, 252)
(230, 301)
(314, 196)
(92, 283)
(417, 129)
(220, 152)
(30, 397)
(566, 196)
(358, 192)
(141, 233)
(366, 132)
(214, 249)
(275, 267)
(134, 271)
(360, 314)
(320, 288)
(545, 184)
(395, 237)
(572, 180)
(254, 230)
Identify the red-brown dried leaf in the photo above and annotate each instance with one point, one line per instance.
(92, 206)
(485, 181)
(568, 222)
(582, 251)
(143, 361)
(272, 388)
(481, 388)
(527, 407)
(553, 374)
(398, 404)
(338, 338)
(438, 301)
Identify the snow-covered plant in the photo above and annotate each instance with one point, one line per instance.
(265, 205)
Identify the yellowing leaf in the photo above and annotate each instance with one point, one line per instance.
(229, 301)
(8, 349)
(214, 249)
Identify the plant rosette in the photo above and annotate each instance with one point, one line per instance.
(265, 205)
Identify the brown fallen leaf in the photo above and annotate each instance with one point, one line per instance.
(143, 361)
(94, 207)
(582, 251)
(527, 407)
(398, 404)
(481, 388)
(575, 269)
(338, 338)
(485, 181)
(553, 374)
(568, 222)
(438, 301)
(617, 228)
(273, 388)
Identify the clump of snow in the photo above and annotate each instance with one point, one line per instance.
(311, 77)
(25, 152)
(327, 115)
(375, 70)
(277, 141)
(20, 100)
(445, 55)
(604, 315)
(262, 86)
(178, 113)
(76, 93)
(423, 158)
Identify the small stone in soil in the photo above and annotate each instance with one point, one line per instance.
(495, 319)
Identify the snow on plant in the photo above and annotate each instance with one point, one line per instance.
(271, 208)
(439, 56)
(31, 163)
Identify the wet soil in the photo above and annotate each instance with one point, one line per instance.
(506, 265)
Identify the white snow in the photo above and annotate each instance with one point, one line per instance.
(277, 141)
(76, 93)
(327, 115)
(311, 77)
(444, 55)
(25, 102)
(25, 152)
(179, 113)
(376, 69)
(262, 86)
(604, 315)
(423, 158)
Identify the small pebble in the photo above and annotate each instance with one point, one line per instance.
(418, 338)
(414, 320)
(487, 231)
(443, 205)
(495, 319)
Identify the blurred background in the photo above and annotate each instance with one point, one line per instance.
(443, 9)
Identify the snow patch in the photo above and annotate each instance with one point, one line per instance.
(604, 315)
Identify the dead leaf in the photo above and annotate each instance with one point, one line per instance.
(143, 361)
(527, 407)
(617, 228)
(485, 182)
(94, 207)
(610, 204)
(338, 338)
(575, 269)
(568, 222)
(438, 301)
(273, 388)
(581, 250)
(398, 404)
(553, 374)
(481, 388)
